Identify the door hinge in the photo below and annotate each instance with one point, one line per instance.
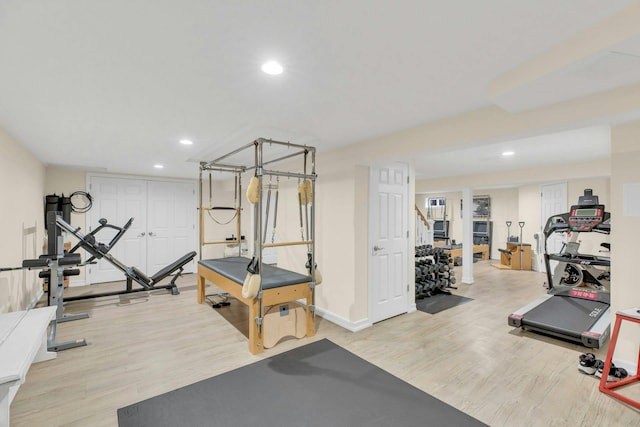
(407, 288)
(407, 233)
(407, 180)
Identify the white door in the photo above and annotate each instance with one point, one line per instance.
(388, 242)
(118, 200)
(554, 201)
(171, 223)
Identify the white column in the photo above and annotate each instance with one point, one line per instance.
(467, 236)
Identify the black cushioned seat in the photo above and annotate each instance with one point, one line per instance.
(173, 266)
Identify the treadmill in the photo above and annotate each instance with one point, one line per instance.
(576, 307)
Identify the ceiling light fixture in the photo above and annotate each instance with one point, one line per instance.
(508, 153)
(186, 142)
(158, 166)
(272, 67)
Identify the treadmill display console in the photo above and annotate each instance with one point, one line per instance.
(585, 219)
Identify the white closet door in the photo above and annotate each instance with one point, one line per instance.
(171, 223)
(117, 200)
(163, 228)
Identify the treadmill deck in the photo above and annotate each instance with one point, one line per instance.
(566, 316)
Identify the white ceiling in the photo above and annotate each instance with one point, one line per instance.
(113, 85)
(574, 146)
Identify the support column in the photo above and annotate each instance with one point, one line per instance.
(467, 236)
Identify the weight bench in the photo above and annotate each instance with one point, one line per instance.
(132, 274)
(23, 341)
(149, 283)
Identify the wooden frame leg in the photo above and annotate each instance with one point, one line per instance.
(255, 337)
(311, 324)
(201, 283)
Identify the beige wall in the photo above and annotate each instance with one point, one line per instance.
(67, 181)
(625, 234)
(521, 203)
(489, 124)
(343, 185)
(23, 179)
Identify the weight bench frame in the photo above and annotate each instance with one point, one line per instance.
(132, 274)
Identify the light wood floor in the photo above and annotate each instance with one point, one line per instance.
(143, 345)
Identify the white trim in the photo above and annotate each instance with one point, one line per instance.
(138, 177)
(342, 322)
(76, 283)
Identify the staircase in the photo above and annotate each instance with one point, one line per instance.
(424, 229)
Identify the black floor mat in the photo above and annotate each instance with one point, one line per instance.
(440, 302)
(319, 384)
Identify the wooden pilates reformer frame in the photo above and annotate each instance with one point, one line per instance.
(279, 290)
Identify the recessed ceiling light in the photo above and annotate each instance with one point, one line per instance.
(186, 142)
(158, 166)
(508, 153)
(272, 67)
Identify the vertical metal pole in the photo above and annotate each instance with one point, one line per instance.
(313, 232)
(258, 234)
(201, 213)
(239, 214)
(521, 224)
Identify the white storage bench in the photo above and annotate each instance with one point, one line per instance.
(23, 341)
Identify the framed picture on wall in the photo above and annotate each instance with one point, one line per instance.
(481, 207)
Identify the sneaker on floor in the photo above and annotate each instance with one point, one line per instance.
(615, 374)
(588, 363)
(599, 365)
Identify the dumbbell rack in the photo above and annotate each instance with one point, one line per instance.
(434, 271)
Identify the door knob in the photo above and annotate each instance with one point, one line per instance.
(142, 234)
(377, 248)
(151, 233)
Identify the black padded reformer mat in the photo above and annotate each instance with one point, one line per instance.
(235, 268)
(319, 384)
(440, 302)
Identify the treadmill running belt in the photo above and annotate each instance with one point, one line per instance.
(565, 315)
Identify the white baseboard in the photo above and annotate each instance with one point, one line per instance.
(341, 321)
(348, 324)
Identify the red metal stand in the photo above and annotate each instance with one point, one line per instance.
(632, 315)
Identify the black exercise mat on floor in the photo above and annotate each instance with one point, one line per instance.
(319, 384)
(440, 302)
